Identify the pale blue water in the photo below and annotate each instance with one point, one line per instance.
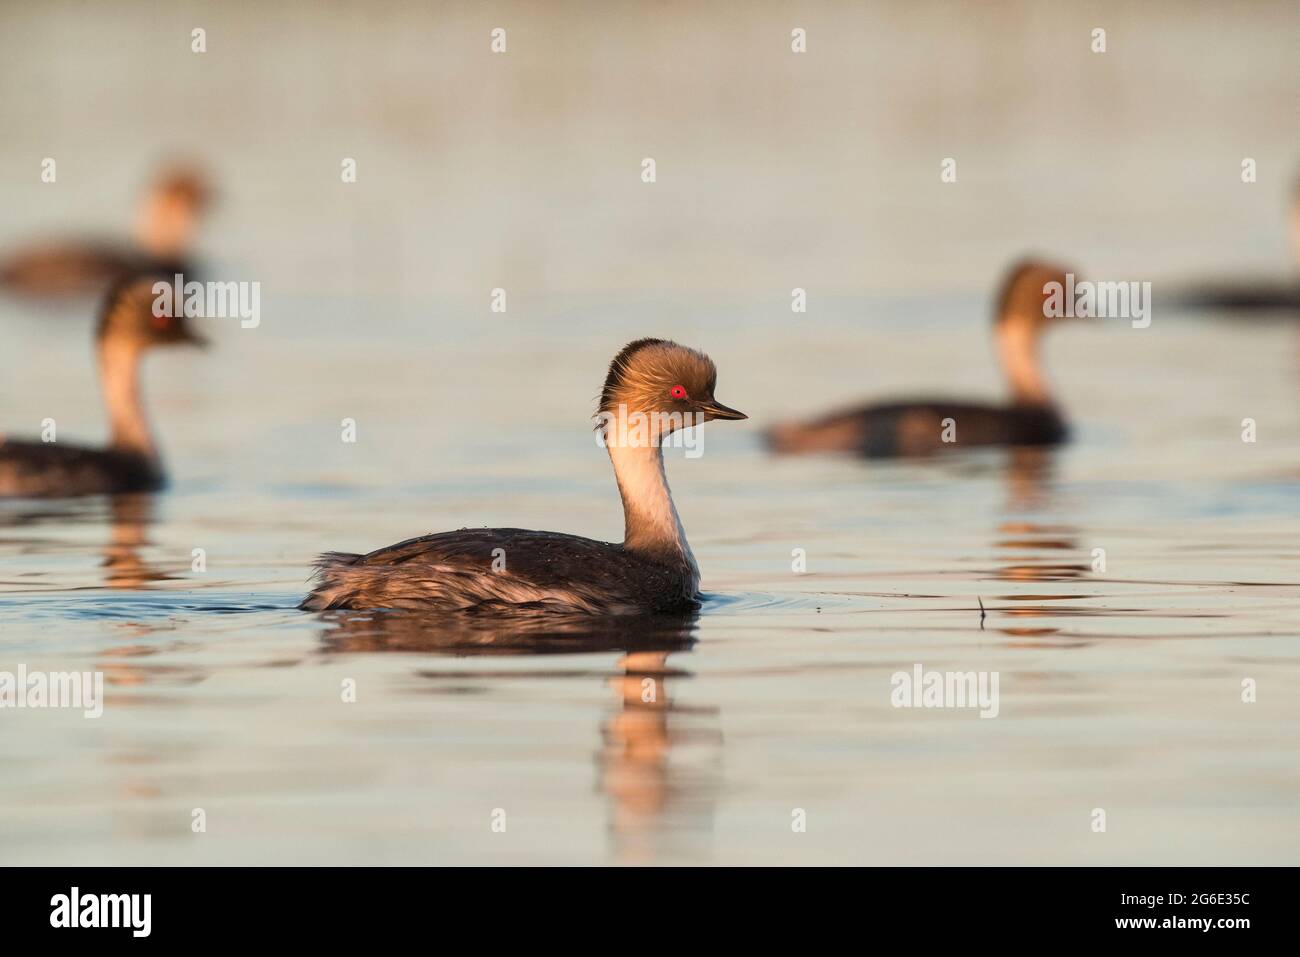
(1119, 690)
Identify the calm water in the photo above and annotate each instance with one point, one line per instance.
(1119, 690)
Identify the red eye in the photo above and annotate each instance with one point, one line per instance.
(677, 392)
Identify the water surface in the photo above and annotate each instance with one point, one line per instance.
(1118, 689)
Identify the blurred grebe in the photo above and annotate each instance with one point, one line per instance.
(127, 329)
(1248, 296)
(917, 426)
(164, 233)
(653, 388)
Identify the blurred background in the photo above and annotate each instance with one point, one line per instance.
(775, 170)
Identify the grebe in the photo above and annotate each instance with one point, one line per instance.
(164, 232)
(653, 388)
(917, 427)
(1248, 296)
(127, 329)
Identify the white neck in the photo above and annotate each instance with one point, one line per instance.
(1295, 233)
(650, 521)
(1018, 351)
(119, 373)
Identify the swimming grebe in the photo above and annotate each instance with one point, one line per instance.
(918, 427)
(164, 234)
(127, 329)
(1248, 296)
(653, 388)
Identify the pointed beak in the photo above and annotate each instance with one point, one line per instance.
(716, 410)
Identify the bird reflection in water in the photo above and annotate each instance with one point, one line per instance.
(129, 661)
(657, 761)
(124, 567)
(1035, 551)
(641, 763)
(129, 519)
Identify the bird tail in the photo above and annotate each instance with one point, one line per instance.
(321, 596)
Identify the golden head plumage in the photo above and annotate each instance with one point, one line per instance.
(657, 376)
(1022, 293)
